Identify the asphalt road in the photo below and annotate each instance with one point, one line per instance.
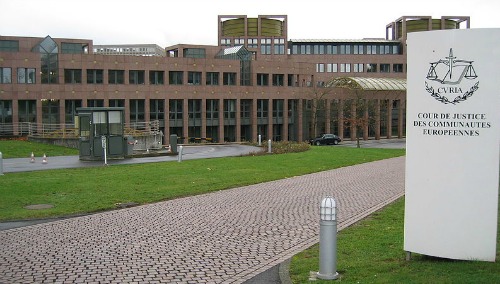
(65, 162)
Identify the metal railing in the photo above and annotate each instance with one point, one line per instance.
(61, 130)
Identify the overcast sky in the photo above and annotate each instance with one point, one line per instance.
(166, 22)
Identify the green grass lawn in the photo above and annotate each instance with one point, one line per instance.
(371, 251)
(23, 149)
(84, 190)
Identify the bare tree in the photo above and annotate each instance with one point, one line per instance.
(316, 104)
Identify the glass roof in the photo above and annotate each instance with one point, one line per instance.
(235, 53)
(47, 45)
(369, 84)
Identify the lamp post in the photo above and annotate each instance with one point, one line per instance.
(328, 240)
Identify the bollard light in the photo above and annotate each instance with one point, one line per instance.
(260, 140)
(328, 209)
(269, 143)
(328, 240)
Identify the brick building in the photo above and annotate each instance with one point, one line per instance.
(256, 81)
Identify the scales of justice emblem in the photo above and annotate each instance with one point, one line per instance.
(451, 80)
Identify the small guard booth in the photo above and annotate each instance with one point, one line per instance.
(102, 129)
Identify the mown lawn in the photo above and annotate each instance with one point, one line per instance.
(84, 190)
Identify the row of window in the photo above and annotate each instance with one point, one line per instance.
(358, 67)
(137, 77)
(345, 49)
(267, 45)
(51, 108)
(24, 75)
(66, 47)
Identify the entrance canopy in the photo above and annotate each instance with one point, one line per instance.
(368, 84)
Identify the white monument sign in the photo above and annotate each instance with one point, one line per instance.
(453, 139)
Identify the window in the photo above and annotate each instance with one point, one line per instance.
(136, 110)
(239, 41)
(194, 109)
(6, 115)
(278, 79)
(212, 109)
(116, 76)
(194, 78)
(117, 103)
(212, 79)
(136, 77)
(308, 49)
(26, 75)
(229, 108)
(345, 49)
(320, 67)
(395, 49)
(279, 46)
(371, 49)
(194, 52)
(262, 108)
(50, 111)
(156, 109)
(385, 49)
(5, 75)
(278, 108)
(331, 49)
(73, 48)
(345, 68)
(175, 109)
(385, 68)
(358, 49)
(331, 67)
(70, 107)
(27, 110)
(358, 67)
(397, 68)
(295, 49)
(262, 79)
(316, 49)
(156, 77)
(72, 76)
(292, 80)
(175, 77)
(9, 46)
(371, 67)
(265, 46)
(225, 42)
(49, 57)
(245, 108)
(95, 103)
(95, 76)
(253, 43)
(229, 78)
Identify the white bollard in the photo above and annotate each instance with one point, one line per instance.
(328, 240)
(269, 150)
(179, 156)
(260, 140)
(1, 164)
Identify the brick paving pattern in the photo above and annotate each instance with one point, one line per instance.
(223, 237)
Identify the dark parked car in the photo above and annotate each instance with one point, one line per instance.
(326, 139)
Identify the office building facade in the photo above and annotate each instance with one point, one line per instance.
(256, 81)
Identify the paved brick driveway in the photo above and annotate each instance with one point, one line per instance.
(223, 237)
